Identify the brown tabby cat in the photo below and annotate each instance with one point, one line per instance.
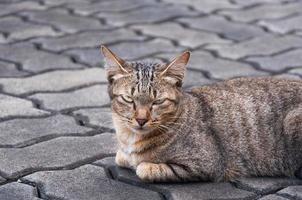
(241, 127)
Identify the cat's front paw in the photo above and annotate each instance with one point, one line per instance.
(121, 159)
(144, 171)
(151, 172)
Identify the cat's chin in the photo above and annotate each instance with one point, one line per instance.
(142, 130)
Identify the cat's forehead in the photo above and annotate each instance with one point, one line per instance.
(144, 76)
(144, 82)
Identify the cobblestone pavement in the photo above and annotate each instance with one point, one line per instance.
(56, 136)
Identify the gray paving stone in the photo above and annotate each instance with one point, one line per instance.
(86, 8)
(292, 191)
(216, 67)
(17, 191)
(35, 60)
(273, 197)
(105, 162)
(178, 191)
(299, 33)
(36, 198)
(219, 25)
(146, 15)
(297, 71)
(184, 36)
(62, 20)
(255, 2)
(126, 50)
(20, 6)
(96, 116)
(264, 45)
(10, 70)
(72, 28)
(279, 62)
(20, 30)
(283, 25)
(266, 11)
(288, 76)
(207, 191)
(9, 1)
(86, 97)
(86, 182)
(62, 2)
(188, 191)
(59, 153)
(195, 78)
(267, 185)
(13, 106)
(88, 39)
(2, 38)
(207, 6)
(89, 56)
(136, 50)
(54, 81)
(22, 132)
(2, 180)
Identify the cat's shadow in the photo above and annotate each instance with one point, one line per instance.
(246, 186)
(128, 175)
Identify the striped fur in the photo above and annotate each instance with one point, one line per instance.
(145, 74)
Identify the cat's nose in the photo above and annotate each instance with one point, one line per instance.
(141, 122)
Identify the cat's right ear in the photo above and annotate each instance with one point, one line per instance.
(113, 65)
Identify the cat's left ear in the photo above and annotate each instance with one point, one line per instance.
(174, 72)
(115, 66)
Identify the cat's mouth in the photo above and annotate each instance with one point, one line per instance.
(142, 129)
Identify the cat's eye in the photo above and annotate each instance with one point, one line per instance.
(159, 101)
(127, 99)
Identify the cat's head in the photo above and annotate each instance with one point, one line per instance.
(144, 96)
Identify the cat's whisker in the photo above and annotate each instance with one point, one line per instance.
(161, 129)
(124, 120)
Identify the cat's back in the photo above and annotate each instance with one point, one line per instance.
(260, 101)
(257, 90)
(248, 114)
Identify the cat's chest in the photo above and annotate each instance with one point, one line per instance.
(134, 150)
(129, 146)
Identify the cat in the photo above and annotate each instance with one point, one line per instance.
(243, 127)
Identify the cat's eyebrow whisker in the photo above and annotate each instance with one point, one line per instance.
(124, 120)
